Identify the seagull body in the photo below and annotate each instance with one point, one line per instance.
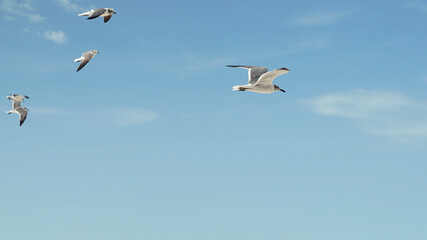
(17, 97)
(260, 80)
(107, 13)
(21, 111)
(85, 58)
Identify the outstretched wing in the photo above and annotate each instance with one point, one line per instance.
(16, 105)
(97, 12)
(267, 78)
(254, 72)
(23, 115)
(107, 18)
(84, 62)
(19, 96)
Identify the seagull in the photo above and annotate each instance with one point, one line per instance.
(107, 13)
(17, 97)
(260, 80)
(22, 112)
(85, 58)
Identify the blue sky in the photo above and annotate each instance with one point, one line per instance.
(149, 142)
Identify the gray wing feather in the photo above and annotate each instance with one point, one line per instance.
(88, 55)
(84, 62)
(23, 115)
(107, 18)
(16, 105)
(97, 12)
(267, 78)
(17, 95)
(254, 72)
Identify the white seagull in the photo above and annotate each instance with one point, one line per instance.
(107, 13)
(260, 80)
(85, 58)
(22, 112)
(17, 97)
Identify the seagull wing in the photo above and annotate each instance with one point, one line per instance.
(96, 13)
(87, 56)
(84, 62)
(22, 114)
(16, 105)
(253, 72)
(107, 18)
(267, 78)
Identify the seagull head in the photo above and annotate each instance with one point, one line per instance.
(277, 88)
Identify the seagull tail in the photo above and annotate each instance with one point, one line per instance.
(239, 88)
(84, 14)
(78, 59)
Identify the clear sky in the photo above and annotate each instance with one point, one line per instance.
(149, 142)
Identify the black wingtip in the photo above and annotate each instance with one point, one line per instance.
(285, 69)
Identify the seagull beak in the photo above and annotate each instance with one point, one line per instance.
(114, 12)
(282, 90)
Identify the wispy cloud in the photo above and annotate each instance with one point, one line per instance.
(58, 37)
(19, 9)
(129, 117)
(319, 18)
(421, 6)
(383, 113)
(9, 18)
(69, 6)
(55, 36)
(119, 117)
(186, 64)
(359, 104)
(48, 111)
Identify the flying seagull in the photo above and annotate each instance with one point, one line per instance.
(85, 58)
(107, 13)
(17, 97)
(22, 112)
(260, 80)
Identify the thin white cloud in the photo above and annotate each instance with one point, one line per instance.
(69, 6)
(319, 18)
(421, 6)
(129, 117)
(58, 37)
(21, 9)
(9, 18)
(48, 111)
(383, 113)
(358, 103)
(119, 117)
(34, 17)
(187, 64)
